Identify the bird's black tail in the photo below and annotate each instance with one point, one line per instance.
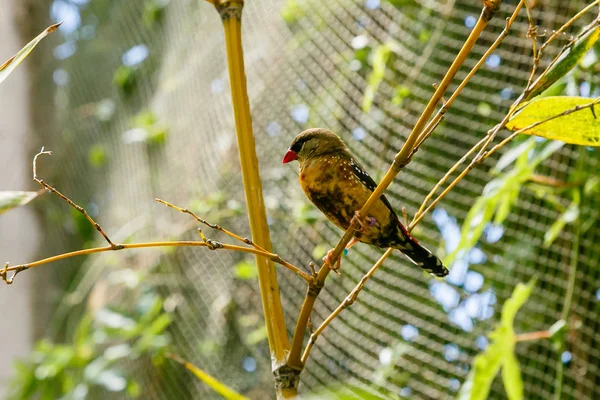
(422, 257)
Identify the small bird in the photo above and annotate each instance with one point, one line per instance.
(338, 185)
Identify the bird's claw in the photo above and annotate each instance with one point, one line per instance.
(335, 267)
(364, 223)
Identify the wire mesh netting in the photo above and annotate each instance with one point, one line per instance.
(140, 108)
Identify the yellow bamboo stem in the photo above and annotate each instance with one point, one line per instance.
(231, 14)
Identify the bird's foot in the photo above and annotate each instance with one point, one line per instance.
(364, 223)
(351, 243)
(335, 267)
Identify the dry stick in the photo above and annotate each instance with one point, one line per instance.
(273, 257)
(65, 198)
(213, 226)
(402, 158)
(348, 301)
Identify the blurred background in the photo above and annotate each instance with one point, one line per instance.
(133, 99)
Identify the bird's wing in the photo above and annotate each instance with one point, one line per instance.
(366, 180)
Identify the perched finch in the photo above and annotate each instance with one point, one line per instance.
(339, 186)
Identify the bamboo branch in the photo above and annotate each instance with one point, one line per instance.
(402, 158)
(231, 16)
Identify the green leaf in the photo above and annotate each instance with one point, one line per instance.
(580, 127)
(381, 55)
(558, 332)
(12, 63)
(9, 200)
(511, 376)
(569, 216)
(511, 306)
(245, 270)
(291, 12)
(400, 93)
(216, 385)
(388, 364)
(347, 392)
(399, 4)
(97, 155)
(499, 354)
(257, 336)
(511, 155)
(566, 62)
(501, 193)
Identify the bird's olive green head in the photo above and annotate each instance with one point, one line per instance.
(314, 142)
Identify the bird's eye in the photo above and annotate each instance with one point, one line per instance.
(296, 147)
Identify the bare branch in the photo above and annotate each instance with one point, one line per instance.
(69, 201)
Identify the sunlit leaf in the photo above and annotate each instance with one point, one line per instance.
(245, 270)
(511, 155)
(566, 62)
(10, 200)
(569, 216)
(12, 63)
(511, 376)
(381, 55)
(499, 354)
(580, 127)
(347, 392)
(216, 385)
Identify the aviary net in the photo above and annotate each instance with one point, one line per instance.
(139, 94)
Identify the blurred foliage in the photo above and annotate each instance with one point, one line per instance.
(14, 199)
(380, 58)
(501, 194)
(216, 385)
(500, 354)
(12, 63)
(96, 357)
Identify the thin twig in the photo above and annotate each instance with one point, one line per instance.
(272, 256)
(213, 226)
(529, 336)
(69, 201)
(348, 301)
(210, 244)
(567, 24)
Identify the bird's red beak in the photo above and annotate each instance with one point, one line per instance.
(291, 155)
